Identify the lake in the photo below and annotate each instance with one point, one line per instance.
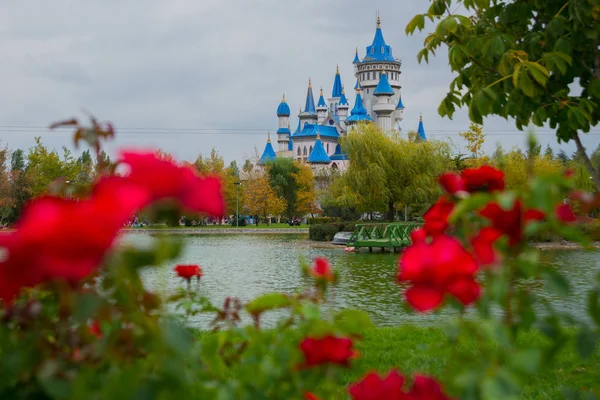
(245, 266)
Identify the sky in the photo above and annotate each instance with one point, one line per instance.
(187, 76)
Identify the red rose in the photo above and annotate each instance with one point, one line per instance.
(565, 214)
(452, 183)
(510, 222)
(329, 349)
(188, 271)
(163, 179)
(425, 388)
(372, 387)
(436, 268)
(484, 178)
(311, 396)
(321, 269)
(483, 244)
(436, 218)
(95, 330)
(418, 235)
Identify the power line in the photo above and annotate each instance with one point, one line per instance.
(253, 131)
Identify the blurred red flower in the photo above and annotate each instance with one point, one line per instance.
(425, 388)
(565, 214)
(436, 218)
(188, 271)
(95, 330)
(329, 349)
(436, 268)
(311, 396)
(452, 183)
(510, 222)
(484, 178)
(321, 269)
(163, 179)
(372, 387)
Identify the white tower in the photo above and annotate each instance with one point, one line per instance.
(283, 126)
(378, 58)
(321, 109)
(343, 107)
(384, 107)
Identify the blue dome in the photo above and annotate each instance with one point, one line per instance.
(421, 129)
(379, 50)
(268, 154)
(343, 100)
(283, 110)
(400, 105)
(318, 155)
(383, 87)
(359, 112)
(321, 103)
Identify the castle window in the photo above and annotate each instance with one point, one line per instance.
(311, 148)
(382, 50)
(305, 151)
(299, 152)
(367, 91)
(327, 148)
(372, 50)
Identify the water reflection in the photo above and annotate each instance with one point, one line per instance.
(248, 265)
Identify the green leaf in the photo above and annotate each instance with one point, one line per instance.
(594, 88)
(594, 305)
(539, 73)
(586, 341)
(86, 307)
(516, 74)
(468, 205)
(556, 282)
(269, 301)
(418, 21)
(526, 85)
(506, 200)
(353, 322)
(526, 360)
(451, 24)
(497, 45)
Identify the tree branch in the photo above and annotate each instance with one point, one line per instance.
(595, 175)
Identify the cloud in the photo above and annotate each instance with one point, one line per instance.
(211, 64)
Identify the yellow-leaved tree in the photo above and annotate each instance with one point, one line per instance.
(261, 199)
(475, 139)
(306, 195)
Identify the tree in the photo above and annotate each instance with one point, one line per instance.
(384, 172)
(20, 184)
(518, 58)
(6, 200)
(45, 166)
(562, 156)
(248, 167)
(306, 201)
(549, 153)
(474, 137)
(282, 175)
(233, 167)
(17, 160)
(85, 167)
(261, 199)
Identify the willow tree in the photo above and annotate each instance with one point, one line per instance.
(519, 59)
(386, 172)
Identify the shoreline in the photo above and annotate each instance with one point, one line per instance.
(220, 231)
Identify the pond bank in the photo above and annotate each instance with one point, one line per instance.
(219, 231)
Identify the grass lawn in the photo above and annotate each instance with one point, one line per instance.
(415, 349)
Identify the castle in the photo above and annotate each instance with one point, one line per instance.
(316, 139)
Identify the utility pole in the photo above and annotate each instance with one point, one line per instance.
(237, 208)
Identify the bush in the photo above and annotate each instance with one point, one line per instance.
(326, 232)
(591, 229)
(241, 221)
(322, 220)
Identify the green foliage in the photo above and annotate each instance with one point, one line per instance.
(326, 232)
(294, 183)
(518, 59)
(385, 173)
(322, 220)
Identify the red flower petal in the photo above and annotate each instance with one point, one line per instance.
(452, 183)
(418, 235)
(465, 290)
(372, 387)
(424, 298)
(483, 245)
(484, 178)
(426, 388)
(565, 214)
(436, 218)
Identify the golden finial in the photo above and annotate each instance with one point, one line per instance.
(309, 83)
(343, 91)
(383, 70)
(283, 99)
(268, 136)
(420, 117)
(318, 134)
(321, 90)
(378, 20)
(337, 68)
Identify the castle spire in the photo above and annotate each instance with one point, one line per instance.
(310, 100)
(337, 84)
